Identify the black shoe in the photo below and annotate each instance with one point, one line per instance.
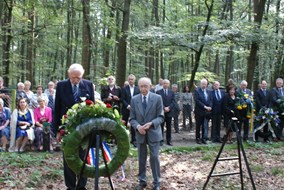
(219, 141)
(204, 141)
(198, 141)
(169, 143)
(141, 186)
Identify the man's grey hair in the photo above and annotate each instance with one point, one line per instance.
(174, 85)
(279, 79)
(244, 82)
(20, 84)
(145, 80)
(76, 67)
(166, 81)
(216, 82)
(204, 80)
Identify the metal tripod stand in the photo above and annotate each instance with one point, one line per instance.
(240, 150)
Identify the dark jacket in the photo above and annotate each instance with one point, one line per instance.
(168, 101)
(200, 102)
(218, 105)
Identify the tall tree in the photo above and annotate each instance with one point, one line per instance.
(259, 6)
(122, 45)
(87, 39)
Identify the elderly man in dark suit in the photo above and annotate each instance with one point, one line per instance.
(244, 121)
(111, 93)
(169, 103)
(146, 116)
(126, 95)
(276, 93)
(69, 92)
(203, 108)
(218, 96)
(262, 100)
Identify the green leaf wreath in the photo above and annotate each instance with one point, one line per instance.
(79, 123)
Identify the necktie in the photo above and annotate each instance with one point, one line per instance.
(75, 93)
(205, 94)
(50, 101)
(166, 92)
(217, 95)
(280, 92)
(144, 103)
(264, 92)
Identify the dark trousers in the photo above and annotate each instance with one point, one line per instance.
(200, 123)
(176, 123)
(216, 127)
(70, 177)
(245, 123)
(187, 113)
(168, 122)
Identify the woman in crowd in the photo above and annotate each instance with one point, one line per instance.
(186, 100)
(22, 124)
(5, 116)
(28, 92)
(42, 114)
(230, 112)
(39, 93)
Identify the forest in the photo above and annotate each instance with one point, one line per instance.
(181, 40)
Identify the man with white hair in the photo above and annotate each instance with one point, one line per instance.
(203, 108)
(146, 116)
(277, 93)
(244, 121)
(111, 93)
(68, 93)
(50, 93)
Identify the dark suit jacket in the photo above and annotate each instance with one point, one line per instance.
(274, 96)
(168, 101)
(64, 98)
(126, 98)
(200, 101)
(261, 99)
(105, 92)
(218, 105)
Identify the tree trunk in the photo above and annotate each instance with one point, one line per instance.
(86, 51)
(7, 38)
(31, 46)
(199, 52)
(259, 6)
(122, 45)
(69, 35)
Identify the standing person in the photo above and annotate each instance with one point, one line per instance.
(188, 105)
(262, 100)
(127, 93)
(39, 94)
(5, 117)
(169, 103)
(217, 112)
(111, 93)
(244, 121)
(50, 92)
(159, 86)
(276, 93)
(176, 110)
(28, 92)
(68, 93)
(203, 108)
(229, 85)
(146, 116)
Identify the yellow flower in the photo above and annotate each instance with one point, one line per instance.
(239, 107)
(245, 106)
(246, 95)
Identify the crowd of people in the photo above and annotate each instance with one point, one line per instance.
(148, 110)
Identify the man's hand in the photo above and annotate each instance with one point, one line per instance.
(147, 125)
(141, 130)
(128, 107)
(167, 109)
(208, 108)
(115, 97)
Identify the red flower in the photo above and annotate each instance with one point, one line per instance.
(89, 102)
(65, 116)
(108, 105)
(62, 132)
(124, 122)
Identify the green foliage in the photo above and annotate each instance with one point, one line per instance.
(211, 77)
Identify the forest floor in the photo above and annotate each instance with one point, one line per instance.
(185, 166)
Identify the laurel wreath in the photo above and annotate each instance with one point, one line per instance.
(79, 122)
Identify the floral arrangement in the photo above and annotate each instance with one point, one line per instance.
(245, 103)
(79, 123)
(81, 112)
(266, 116)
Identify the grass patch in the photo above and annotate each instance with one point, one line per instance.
(257, 168)
(277, 171)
